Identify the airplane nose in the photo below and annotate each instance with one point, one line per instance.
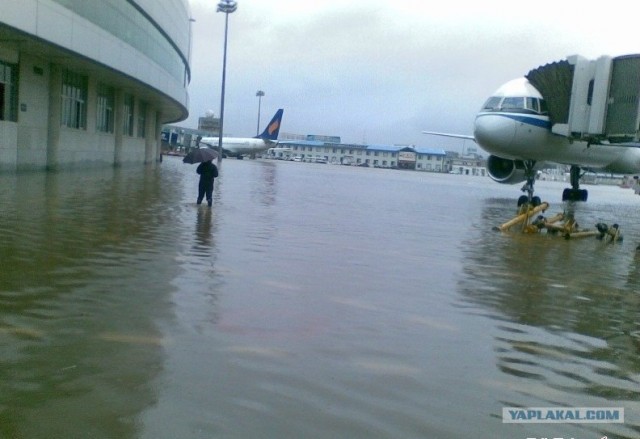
(495, 133)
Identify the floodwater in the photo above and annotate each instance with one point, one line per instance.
(311, 301)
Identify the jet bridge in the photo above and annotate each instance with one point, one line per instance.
(593, 100)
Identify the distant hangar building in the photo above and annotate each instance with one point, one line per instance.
(90, 83)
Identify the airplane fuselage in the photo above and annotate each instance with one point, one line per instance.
(515, 126)
(239, 145)
(523, 138)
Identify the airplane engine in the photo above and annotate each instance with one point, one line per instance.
(505, 171)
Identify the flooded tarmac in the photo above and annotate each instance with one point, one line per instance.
(311, 301)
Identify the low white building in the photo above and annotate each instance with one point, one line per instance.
(468, 164)
(378, 156)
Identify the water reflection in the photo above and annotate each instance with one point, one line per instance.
(195, 298)
(264, 189)
(204, 237)
(567, 315)
(78, 338)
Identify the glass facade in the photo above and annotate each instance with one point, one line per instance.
(125, 21)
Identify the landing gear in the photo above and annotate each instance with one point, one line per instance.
(575, 193)
(524, 199)
(530, 175)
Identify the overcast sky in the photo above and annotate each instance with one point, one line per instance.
(380, 71)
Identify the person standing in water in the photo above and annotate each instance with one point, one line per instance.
(208, 172)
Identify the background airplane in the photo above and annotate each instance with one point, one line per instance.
(579, 113)
(239, 146)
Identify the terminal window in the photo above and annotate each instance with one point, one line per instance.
(142, 119)
(8, 92)
(74, 100)
(104, 113)
(128, 115)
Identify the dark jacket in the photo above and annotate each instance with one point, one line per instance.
(208, 171)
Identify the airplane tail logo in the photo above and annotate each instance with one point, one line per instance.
(273, 128)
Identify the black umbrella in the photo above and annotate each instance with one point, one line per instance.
(200, 155)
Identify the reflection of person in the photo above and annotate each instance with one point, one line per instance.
(203, 231)
(208, 172)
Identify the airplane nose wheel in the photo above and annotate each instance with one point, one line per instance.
(575, 193)
(524, 199)
(530, 175)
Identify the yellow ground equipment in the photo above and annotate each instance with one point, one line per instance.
(560, 224)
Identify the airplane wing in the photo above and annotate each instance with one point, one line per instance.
(455, 136)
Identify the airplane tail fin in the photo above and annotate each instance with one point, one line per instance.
(273, 128)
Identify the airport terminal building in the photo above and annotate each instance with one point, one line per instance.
(90, 83)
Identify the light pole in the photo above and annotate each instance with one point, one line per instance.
(227, 7)
(259, 93)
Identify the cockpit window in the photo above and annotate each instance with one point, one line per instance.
(493, 103)
(536, 105)
(516, 105)
(532, 104)
(543, 107)
(513, 104)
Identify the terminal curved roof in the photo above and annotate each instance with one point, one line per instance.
(118, 42)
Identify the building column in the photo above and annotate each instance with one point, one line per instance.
(118, 127)
(158, 136)
(149, 134)
(55, 116)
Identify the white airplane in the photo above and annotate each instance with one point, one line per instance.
(585, 115)
(239, 146)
